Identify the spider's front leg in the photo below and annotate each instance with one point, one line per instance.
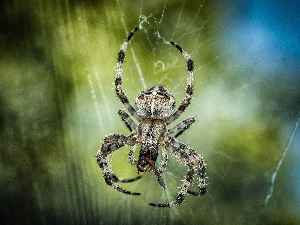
(118, 82)
(189, 89)
(109, 145)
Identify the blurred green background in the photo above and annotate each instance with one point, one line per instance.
(57, 102)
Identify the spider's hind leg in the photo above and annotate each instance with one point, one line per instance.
(184, 188)
(201, 181)
(189, 157)
(114, 178)
(109, 145)
(163, 163)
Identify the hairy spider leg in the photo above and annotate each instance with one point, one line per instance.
(182, 126)
(127, 120)
(189, 90)
(163, 163)
(110, 144)
(189, 157)
(156, 174)
(130, 154)
(118, 82)
(196, 158)
(184, 187)
(201, 182)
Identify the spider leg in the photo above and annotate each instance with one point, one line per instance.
(156, 171)
(189, 90)
(194, 156)
(189, 157)
(182, 126)
(116, 179)
(202, 186)
(130, 154)
(127, 120)
(163, 163)
(184, 188)
(118, 82)
(109, 145)
(157, 175)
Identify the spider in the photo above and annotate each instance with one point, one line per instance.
(154, 110)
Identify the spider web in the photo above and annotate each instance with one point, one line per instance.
(58, 102)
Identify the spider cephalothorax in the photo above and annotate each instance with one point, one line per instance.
(155, 103)
(154, 110)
